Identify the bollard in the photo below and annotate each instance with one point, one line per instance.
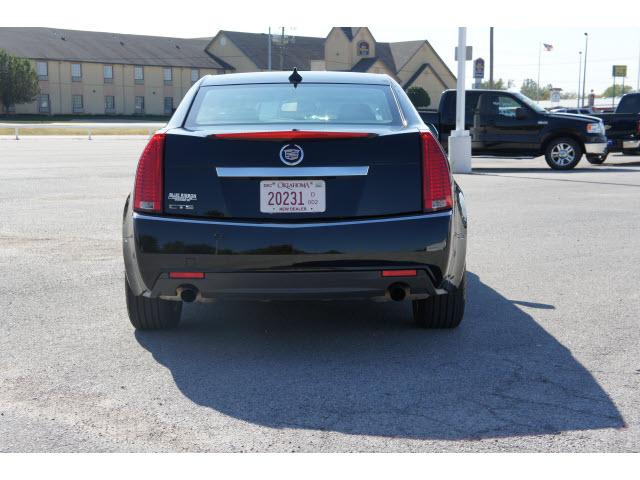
(17, 131)
(89, 131)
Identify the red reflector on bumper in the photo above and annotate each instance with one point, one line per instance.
(186, 274)
(399, 273)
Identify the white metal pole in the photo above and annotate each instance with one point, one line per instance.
(460, 88)
(638, 82)
(538, 83)
(459, 140)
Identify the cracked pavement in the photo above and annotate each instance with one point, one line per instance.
(546, 359)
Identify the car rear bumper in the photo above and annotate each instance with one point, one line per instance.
(631, 144)
(299, 285)
(263, 261)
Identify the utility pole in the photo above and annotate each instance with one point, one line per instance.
(269, 50)
(579, 76)
(584, 75)
(491, 57)
(282, 50)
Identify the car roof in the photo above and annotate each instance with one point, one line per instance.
(310, 77)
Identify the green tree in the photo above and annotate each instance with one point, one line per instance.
(419, 97)
(568, 95)
(499, 84)
(530, 89)
(608, 93)
(18, 80)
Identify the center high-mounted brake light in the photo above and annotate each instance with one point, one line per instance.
(147, 194)
(436, 178)
(290, 135)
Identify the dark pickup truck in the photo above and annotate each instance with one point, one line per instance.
(509, 124)
(623, 126)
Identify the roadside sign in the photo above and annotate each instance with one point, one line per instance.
(469, 53)
(619, 71)
(478, 68)
(555, 95)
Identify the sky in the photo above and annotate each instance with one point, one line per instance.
(614, 38)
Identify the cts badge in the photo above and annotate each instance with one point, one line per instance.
(291, 154)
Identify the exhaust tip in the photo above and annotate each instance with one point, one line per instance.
(398, 292)
(188, 294)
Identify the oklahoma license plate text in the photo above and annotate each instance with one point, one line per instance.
(292, 196)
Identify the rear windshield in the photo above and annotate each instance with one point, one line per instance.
(310, 103)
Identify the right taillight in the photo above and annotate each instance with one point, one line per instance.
(638, 127)
(147, 194)
(436, 178)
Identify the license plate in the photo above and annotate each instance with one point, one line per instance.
(292, 196)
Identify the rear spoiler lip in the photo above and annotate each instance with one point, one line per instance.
(291, 135)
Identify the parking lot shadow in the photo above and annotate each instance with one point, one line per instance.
(362, 368)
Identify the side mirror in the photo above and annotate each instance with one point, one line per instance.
(521, 114)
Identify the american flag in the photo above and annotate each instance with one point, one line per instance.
(548, 47)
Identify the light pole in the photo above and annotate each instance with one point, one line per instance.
(579, 76)
(491, 57)
(459, 139)
(584, 75)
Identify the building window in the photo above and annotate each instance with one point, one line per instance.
(77, 106)
(139, 104)
(109, 104)
(43, 103)
(42, 68)
(76, 72)
(168, 76)
(168, 105)
(195, 75)
(138, 74)
(363, 49)
(107, 73)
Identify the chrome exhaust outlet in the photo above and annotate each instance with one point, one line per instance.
(398, 292)
(187, 293)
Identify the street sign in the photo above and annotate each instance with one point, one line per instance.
(555, 95)
(619, 71)
(478, 68)
(469, 53)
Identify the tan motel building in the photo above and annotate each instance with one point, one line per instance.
(98, 73)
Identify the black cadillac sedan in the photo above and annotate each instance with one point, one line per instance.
(289, 186)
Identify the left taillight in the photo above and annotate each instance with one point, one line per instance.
(147, 195)
(436, 178)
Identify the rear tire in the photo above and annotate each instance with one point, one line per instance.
(151, 313)
(441, 311)
(596, 159)
(563, 153)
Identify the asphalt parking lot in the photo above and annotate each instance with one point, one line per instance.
(546, 359)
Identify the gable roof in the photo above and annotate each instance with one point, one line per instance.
(298, 52)
(364, 64)
(419, 71)
(350, 32)
(103, 47)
